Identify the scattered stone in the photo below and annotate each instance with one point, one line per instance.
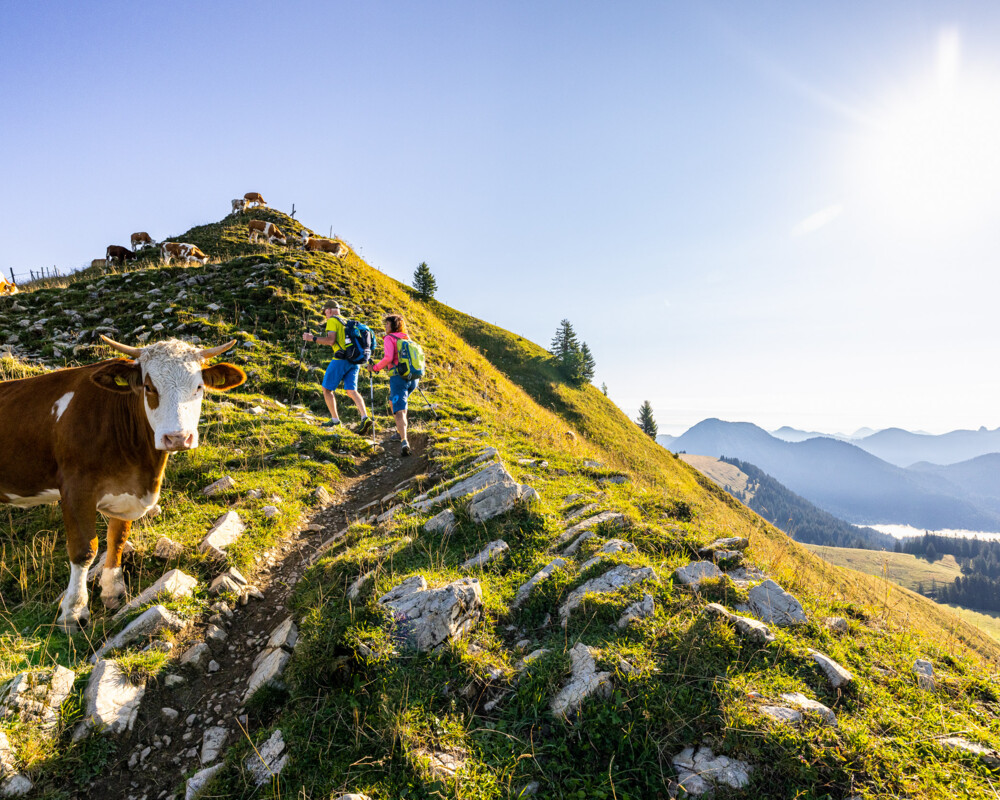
(836, 674)
(775, 606)
(836, 624)
(322, 496)
(215, 638)
(701, 772)
(270, 512)
(173, 681)
(427, 618)
(924, 671)
(166, 549)
(584, 681)
(610, 547)
(639, 610)
(493, 474)
(173, 584)
(443, 523)
(12, 782)
(738, 543)
(498, 499)
(226, 530)
(529, 659)
(745, 626)
(489, 454)
(196, 783)
(694, 573)
(170, 714)
(788, 716)
(221, 485)
(492, 551)
(212, 742)
(613, 580)
(269, 759)
(196, 655)
(354, 590)
(286, 635)
(590, 508)
(526, 588)
(147, 625)
(611, 519)
(803, 703)
(990, 757)
(37, 696)
(268, 672)
(614, 480)
(111, 701)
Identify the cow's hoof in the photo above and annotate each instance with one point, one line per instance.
(72, 625)
(111, 602)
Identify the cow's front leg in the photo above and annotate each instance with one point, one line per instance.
(112, 580)
(80, 518)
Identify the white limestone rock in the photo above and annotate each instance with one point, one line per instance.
(639, 610)
(268, 672)
(745, 626)
(528, 586)
(775, 606)
(196, 784)
(172, 584)
(426, 618)
(990, 757)
(924, 670)
(491, 552)
(584, 681)
(196, 656)
(612, 519)
(613, 580)
(835, 624)
(269, 759)
(37, 696)
(286, 636)
(501, 498)
(787, 716)
(737, 543)
(226, 530)
(111, 701)
(12, 782)
(700, 771)
(836, 674)
(810, 706)
(439, 765)
(354, 590)
(491, 475)
(212, 743)
(694, 573)
(443, 523)
(222, 485)
(610, 547)
(146, 626)
(166, 549)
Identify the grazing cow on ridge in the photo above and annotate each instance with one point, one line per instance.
(7, 287)
(312, 244)
(268, 230)
(116, 254)
(239, 205)
(171, 250)
(255, 198)
(142, 238)
(96, 439)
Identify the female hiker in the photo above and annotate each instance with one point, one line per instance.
(399, 387)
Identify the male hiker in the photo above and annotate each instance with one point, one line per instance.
(340, 369)
(400, 387)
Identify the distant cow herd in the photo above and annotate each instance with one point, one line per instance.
(257, 229)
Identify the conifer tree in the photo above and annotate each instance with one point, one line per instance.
(604, 389)
(564, 342)
(576, 362)
(646, 421)
(587, 365)
(423, 281)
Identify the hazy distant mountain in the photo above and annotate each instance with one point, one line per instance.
(978, 478)
(795, 435)
(665, 440)
(843, 479)
(904, 448)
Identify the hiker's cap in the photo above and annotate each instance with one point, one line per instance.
(333, 305)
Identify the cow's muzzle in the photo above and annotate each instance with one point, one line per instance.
(180, 440)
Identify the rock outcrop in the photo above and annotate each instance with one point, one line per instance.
(584, 681)
(111, 701)
(426, 618)
(613, 580)
(700, 771)
(775, 606)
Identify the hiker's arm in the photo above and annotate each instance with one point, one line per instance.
(390, 354)
(312, 337)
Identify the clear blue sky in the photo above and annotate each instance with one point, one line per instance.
(784, 213)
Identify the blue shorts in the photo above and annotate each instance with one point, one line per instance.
(399, 390)
(340, 370)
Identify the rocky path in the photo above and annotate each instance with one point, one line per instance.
(184, 725)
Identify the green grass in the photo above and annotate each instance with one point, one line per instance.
(361, 711)
(902, 568)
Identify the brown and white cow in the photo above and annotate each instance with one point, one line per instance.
(268, 230)
(255, 198)
(142, 238)
(7, 287)
(239, 205)
(323, 246)
(189, 252)
(96, 439)
(116, 254)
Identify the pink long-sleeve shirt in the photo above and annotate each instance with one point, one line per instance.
(391, 358)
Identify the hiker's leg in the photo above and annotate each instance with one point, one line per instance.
(331, 403)
(359, 401)
(351, 387)
(334, 374)
(401, 424)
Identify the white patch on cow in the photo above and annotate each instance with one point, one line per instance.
(60, 405)
(43, 498)
(74, 602)
(127, 506)
(112, 586)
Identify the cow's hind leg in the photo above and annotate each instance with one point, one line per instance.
(80, 517)
(112, 580)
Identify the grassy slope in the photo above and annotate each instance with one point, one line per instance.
(358, 718)
(902, 568)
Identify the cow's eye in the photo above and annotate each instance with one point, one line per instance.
(150, 389)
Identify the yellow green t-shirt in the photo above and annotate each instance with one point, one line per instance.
(335, 327)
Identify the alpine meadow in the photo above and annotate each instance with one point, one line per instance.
(540, 601)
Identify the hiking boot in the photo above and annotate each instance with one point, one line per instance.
(395, 437)
(331, 423)
(404, 449)
(365, 426)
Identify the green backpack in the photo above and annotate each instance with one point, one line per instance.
(411, 359)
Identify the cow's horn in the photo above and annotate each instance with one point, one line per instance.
(211, 352)
(135, 352)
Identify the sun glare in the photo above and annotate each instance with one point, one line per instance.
(930, 161)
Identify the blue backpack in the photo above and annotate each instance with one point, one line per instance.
(361, 342)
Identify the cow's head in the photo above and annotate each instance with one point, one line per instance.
(172, 377)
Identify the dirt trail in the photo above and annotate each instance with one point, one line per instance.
(217, 698)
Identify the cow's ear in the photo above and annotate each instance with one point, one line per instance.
(222, 377)
(118, 375)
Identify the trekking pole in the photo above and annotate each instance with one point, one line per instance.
(371, 387)
(295, 385)
(429, 404)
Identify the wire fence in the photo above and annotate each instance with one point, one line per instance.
(42, 273)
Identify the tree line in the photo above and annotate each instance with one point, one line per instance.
(979, 559)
